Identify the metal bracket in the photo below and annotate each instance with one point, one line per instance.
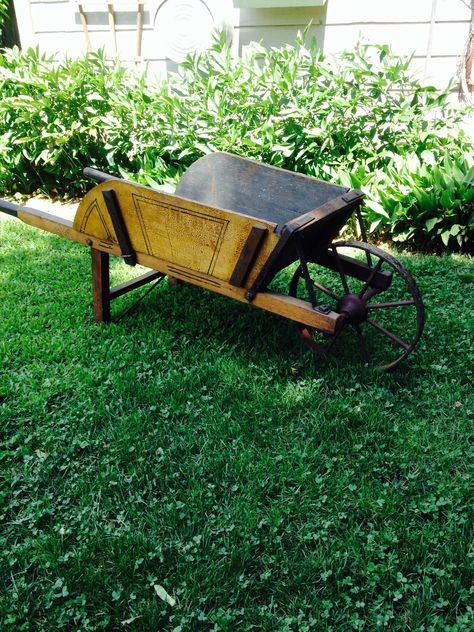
(306, 275)
(324, 309)
(353, 195)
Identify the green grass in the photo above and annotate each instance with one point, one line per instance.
(197, 446)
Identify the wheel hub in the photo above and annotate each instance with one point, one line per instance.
(353, 307)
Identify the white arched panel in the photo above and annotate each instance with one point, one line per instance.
(183, 27)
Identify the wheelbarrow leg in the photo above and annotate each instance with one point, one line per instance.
(100, 286)
(103, 294)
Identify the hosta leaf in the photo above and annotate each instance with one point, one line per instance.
(377, 208)
(374, 225)
(455, 230)
(446, 199)
(431, 223)
(445, 237)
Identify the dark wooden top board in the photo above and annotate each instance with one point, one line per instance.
(252, 188)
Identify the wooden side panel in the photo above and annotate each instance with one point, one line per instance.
(189, 235)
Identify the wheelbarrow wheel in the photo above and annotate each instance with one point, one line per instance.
(381, 325)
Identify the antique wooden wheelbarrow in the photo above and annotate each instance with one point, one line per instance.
(232, 226)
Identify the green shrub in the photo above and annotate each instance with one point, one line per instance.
(3, 15)
(423, 200)
(51, 117)
(359, 118)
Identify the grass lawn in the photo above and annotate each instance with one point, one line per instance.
(193, 467)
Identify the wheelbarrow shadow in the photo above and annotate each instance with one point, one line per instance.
(58, 275)
(201, 315)
(51, 275)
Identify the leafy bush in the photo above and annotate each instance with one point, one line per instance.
(3, 13)
(50, 119)
(360, 118)
(3, 20)
(423, 199)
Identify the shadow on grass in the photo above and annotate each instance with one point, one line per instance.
(47, 278)
(49, 287)
(54, 278)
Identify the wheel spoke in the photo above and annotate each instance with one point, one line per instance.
(362, 344)
(391, 304)
(341, 271)
(325, 290)
(306, 276)
(371, 277)
(371, 293)
(333, 341)
(364, 235)
(389, 334)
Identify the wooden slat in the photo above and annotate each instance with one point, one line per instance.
(349, 11)
(297, 310)
(113, 33)
(85, 27)
(139, 29)
(64, 228)
(133, 284)
(410, 37)
(448, 39)
(257, 19)
(278, 36)
(247, 255)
